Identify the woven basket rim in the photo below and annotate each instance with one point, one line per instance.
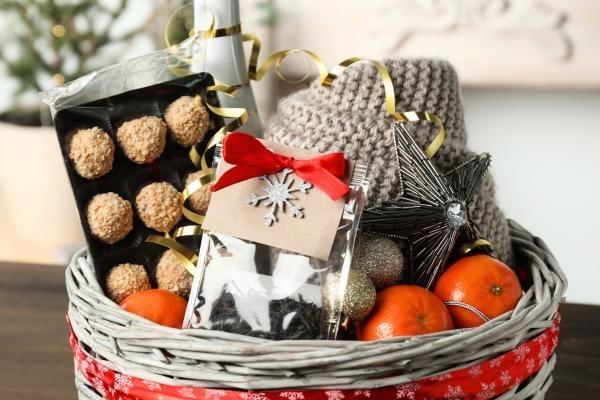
(123, 341)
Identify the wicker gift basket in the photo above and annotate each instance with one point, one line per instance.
(120, 355)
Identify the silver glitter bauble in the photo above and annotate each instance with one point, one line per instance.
(381, 259)
(356, 301)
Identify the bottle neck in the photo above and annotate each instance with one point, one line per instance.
(225, 12)
(224, 56)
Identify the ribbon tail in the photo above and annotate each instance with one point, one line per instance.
(237, 174)
(325, 181)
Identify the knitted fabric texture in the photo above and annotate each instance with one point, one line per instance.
(350, 116)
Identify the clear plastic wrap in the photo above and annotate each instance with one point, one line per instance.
(149, 69)
(258, 290)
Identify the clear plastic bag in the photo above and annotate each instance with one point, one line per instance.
(263, 291)
(149, 69)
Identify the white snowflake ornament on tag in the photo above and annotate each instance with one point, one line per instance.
(278, 195)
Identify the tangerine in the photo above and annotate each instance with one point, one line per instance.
(478, 288)
(157, 305)
(405, 310)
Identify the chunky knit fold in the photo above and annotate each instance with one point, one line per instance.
(350, 117)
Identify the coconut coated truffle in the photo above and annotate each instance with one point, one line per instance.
(126, 279)
(188, 120)
(110, 217)
(159, 206)
(92, 152)
(171, 275)
(198, 201)
(143, 139)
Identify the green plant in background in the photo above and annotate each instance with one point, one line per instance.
(268, 8)
(50, 42)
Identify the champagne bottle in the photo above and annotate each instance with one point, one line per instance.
(224, 57)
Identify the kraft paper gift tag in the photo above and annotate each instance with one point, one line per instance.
(230, 213)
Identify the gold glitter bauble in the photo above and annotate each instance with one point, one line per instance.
(381, 259)
(358, 298)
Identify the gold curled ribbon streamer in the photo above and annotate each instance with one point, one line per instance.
(390, 101)
(188, 191)
(256, 73)
(438, 140)
(186, 256)
(475, 244)
(327, 77)
(307, 75)
(187, 230)
(193, 35)
(227, 31)
(210, 32)
(239, 117)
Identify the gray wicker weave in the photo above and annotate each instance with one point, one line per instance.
(125, 342)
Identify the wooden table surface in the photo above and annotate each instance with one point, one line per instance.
(36, 363)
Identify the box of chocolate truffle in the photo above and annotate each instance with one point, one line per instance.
(128, 160)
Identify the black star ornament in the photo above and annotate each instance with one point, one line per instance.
(433, 210)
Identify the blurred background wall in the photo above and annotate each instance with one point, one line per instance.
(531, 76)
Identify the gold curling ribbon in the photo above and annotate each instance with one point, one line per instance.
(210, 33)
(239, 117)
(187, 230)
(238, 114)
(186, 256)
(256, 73)
(390, 101)
(188, 191)
(307, 75)
(475, 244)
(327, 77)
(193, 35)
(438, 140)
(227, 31)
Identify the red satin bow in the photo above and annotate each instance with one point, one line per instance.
(251, 159)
